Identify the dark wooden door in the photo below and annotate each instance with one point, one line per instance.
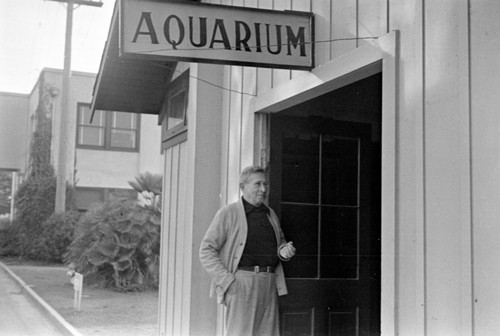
(324, 186)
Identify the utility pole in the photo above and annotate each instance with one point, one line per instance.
(65, 106)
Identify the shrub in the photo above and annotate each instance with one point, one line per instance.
(56, 235)
(9, 244)
(35, 201)
(117, 245)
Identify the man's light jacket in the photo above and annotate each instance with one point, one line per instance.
(223, 245)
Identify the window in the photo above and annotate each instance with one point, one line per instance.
(176, 116)
(173, 116)
(109, 130)
(86, 197)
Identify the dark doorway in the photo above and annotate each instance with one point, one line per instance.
(325, 185)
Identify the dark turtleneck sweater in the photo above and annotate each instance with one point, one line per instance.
(261, 246)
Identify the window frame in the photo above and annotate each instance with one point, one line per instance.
(105, 195)
(177, 133)
(108, 119)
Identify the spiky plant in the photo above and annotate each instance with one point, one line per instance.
(117, 245)
(147, 182)
(149, 187)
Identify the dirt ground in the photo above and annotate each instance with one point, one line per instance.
(103, 312)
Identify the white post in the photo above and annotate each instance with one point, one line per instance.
(77, 281)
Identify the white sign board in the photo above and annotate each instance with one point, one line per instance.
(198, 32)
(77, 281)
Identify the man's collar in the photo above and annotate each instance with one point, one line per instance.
(249, 207)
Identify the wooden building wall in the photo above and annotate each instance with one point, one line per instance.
(353, 19)
(446, 160)
(192, 171)
(482, 103)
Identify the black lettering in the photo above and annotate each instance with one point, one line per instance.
(293, 39)
(278, 40)
(242, 41)
(203, 32)
(166, 31)
(219, 26)
(258, 47)
(146, 17)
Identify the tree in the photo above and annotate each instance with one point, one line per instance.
(35, 198)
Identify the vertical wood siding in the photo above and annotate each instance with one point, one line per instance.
(443, 167)
(175, 281)
(191, 185)
(485, 158)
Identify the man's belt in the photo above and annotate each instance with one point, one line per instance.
(257, 269)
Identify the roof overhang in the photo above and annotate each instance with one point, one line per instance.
(129, 85)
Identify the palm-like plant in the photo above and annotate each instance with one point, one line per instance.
(117, 242)
(147, 182)
(149, 187)
(117, 245)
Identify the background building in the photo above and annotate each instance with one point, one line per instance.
(102, 156)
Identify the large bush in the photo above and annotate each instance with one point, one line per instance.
(117, 245)
(56, 235)
(35, 202)
(9, 243)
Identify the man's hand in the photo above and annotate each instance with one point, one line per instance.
(287, 251)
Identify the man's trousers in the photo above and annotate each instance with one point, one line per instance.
(252, 305)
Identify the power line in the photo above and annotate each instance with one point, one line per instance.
(207, 81)
(252, 94)
(264, 46)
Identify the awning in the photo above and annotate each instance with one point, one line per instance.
(129, 85)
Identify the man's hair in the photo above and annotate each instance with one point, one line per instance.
(247, 172)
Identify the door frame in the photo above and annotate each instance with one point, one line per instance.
(381, 55)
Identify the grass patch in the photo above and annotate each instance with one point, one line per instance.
(103, 312)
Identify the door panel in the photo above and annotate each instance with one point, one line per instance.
(300, 169)
(340, 170)
(321, 177)
(343, 322)
(298, 323)
(339, 243)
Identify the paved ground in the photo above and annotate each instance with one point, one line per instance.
(18, 316)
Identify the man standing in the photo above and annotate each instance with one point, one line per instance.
(242, 251)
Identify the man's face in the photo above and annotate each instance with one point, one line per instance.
(255, 190)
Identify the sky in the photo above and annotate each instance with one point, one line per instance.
(32, 37)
